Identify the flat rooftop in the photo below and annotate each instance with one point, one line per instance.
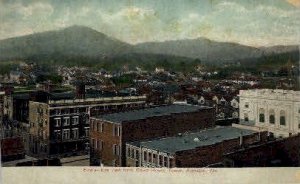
(150, 112)
(188, 141)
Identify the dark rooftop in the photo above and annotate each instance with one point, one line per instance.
(193, 140)
(150, 112)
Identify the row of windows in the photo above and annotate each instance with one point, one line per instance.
(272, 119)
(68, 111)
(66, 121)
(66, 133)
(133, 153)
(152, 158)
(99, 127)
(97, 144)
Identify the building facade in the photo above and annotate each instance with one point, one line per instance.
(60, 127)
(193, 149)
(277, 111)
(109, 133)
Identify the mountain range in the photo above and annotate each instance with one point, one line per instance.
(80, 41)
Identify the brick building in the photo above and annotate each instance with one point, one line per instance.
(109, 133)
(12, 148)
(282, 152)
(193, 149)
(59, 122)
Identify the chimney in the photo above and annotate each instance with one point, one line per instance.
(80, 90)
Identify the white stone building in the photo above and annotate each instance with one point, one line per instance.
(277, 111)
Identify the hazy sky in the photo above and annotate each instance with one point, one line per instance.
(251, 22)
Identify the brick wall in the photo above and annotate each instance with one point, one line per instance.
(12, 148)
(202, 156)
(285, 152)
(108, 139)
(153, 127)
(167, 125)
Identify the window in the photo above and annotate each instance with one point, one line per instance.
(128, 152)
(57, 134)
(93, 143)
(99, 127)
(66, 134)
(171, 162)
(86, 131)
(57, 111)
(75, 120)
(76, 110)
(145, 156)
(132, 153)
(246, 118)
(75, 133)
(117, 130)
(149, 157)
(165, 161)
(282, 118)
(161, 160)
(98, 144)
(271, 116)
(57, 122)
(137, 155)
(154, 158)
(116, 149)
(261, 115)
(66, 111)
(66, 121)
(247, 105)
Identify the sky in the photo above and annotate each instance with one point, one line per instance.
(249, 22)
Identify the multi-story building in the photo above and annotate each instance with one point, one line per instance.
(281, 152)
(59, 123)
(109, 133)
(277, 111)
(16, 107)
(193, 149)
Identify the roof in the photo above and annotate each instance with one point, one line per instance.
(189, 141)
(150, 112)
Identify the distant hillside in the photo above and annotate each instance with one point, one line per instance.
(82, 44)
(69, 42)
(201, 48)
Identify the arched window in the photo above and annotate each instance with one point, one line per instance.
(271, 116)
(261, 115)
(282, 117)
